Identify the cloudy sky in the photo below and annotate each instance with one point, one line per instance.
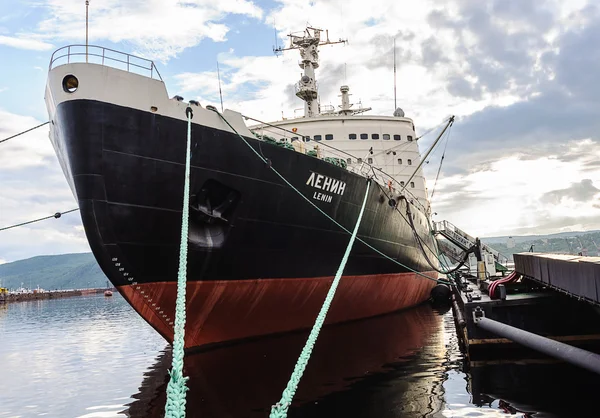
(520, 75)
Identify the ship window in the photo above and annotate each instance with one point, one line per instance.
(349, 160)
(412, 184)
(70, 83)
(409, 161)
(402, 184)
(399, 160)
(409, 138)
(370, 160)
(375, 136)
(294, 138)
(397, 137)
(317, 137)
(364, 136)
(352, 136)
(359, 160)
(386, 136)
(306, 138)
(329, 137)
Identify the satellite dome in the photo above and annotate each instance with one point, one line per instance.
(399, 113)
(305, 79)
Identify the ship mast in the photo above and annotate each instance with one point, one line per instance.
(308, 44)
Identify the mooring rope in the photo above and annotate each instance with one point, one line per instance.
(24, 132)
(176, 389)
(280, 409)
(56, 215)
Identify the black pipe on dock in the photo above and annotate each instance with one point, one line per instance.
(460, 320)
(577, 356)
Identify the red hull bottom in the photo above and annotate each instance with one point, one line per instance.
(221, 311)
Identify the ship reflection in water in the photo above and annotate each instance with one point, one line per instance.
(244, 379)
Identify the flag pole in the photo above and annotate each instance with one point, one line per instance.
(87, 4)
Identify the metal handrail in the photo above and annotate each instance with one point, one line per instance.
(94, 51)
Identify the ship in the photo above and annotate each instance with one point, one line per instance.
(262, 252)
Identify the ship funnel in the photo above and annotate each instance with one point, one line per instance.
(345, 99)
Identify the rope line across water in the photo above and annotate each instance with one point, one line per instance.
(280, 409)
(176, 389)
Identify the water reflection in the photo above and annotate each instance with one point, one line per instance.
(84, 357)
(535, 388)
(71, 357)
(359, 358)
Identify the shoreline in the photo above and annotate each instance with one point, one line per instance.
(23, 297)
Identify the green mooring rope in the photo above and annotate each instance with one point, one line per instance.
(280, 409)
(176, 388)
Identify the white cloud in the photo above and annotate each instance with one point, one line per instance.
(32, 186)
(24, 43)
(158, 29)
(507, 195)
(31, 149)
(365, 63)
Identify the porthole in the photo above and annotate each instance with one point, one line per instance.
(70, 84)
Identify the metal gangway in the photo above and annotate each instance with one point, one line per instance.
(494, 260)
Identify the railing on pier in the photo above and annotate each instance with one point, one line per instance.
(104, 56)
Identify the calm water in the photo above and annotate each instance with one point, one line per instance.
(94, 357)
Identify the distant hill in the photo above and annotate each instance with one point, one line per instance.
(573, 243)
(65, 271)
(528, 238)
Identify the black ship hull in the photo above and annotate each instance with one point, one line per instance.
(260, 257)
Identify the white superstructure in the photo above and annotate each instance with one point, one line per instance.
(385, 146)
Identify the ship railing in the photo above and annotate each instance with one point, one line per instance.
(327, 109)
(104, 56)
